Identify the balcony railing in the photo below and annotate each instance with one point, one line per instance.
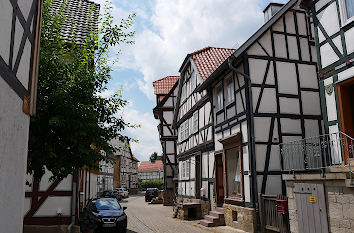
(318, 152)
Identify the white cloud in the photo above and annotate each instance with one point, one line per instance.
(147, 135)
(183, 26)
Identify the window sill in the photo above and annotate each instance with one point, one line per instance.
(234, 199)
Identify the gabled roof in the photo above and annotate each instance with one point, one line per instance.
(164, 85)
(208, 59)
(148, 166)
(240, 51)
(81, 17)
(135, 159)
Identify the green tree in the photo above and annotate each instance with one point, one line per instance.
(74, 123)
(153, 156)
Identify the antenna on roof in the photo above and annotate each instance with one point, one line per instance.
(236, 45)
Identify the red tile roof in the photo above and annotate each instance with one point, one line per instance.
(164, 85)
(148, 166)
(134, 158)
(208, 59)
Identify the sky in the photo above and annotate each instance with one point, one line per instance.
(166, 31)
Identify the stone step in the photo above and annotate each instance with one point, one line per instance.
(349, 183)
(211, 218)
(206, 223)
(216, 213)
(220, 209)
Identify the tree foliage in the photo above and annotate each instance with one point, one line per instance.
(150, 184)
(153, 156)
(74, 123)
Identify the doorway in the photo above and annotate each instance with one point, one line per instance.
(219, 180)
(345, 91)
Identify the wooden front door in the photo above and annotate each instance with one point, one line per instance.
(219, 180)
(346, 109)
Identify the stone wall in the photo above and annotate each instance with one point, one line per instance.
(339, 204)
(168, 196)
(202, 209)
(241, 218)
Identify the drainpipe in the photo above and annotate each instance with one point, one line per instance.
(251, 132)
(73, 202)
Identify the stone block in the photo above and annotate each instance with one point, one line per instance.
(290, 192)
(344, 198)
(246, 218)
(292, 204)
(338, 230)
(332, 198)
(335, 210)
(348, 211)
(294, 226)
(344, 224)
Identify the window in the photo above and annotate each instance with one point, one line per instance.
(349, 5)
(185, 170)
(181, 129)
(233, 166)
(194, 80)
(219, 97)
(347, 11)
(195, 121)
(229, 90)
(186, 129)
(184, 89)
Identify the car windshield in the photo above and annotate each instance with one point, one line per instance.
(107, 204)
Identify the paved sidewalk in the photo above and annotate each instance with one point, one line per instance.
(147, 218)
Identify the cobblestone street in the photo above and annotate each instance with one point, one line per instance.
(145, 218)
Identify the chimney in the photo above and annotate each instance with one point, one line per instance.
(271, 10)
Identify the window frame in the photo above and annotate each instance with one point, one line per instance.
(219, 97)
(343, 13)
(186, 129)
(230, 90)
(195, 121)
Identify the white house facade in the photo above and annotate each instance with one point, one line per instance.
(20, 23)
(266, 93)
(194, 120)
(166, 90)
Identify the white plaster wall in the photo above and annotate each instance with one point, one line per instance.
(310, 103)
(290, 125)
(5, 29)
(14, 128)
(273, 185)
(349, 38)
(53, 205)
(346, 74)
(330, 102)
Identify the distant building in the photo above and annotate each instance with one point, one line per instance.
(151, 170)
(166, 90)
(105, 176)
(125, 173)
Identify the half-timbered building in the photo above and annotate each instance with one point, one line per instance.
(195, 143)
(165, 90)
(20, 23)
(56, 202)
(264, 94)
(323, 164)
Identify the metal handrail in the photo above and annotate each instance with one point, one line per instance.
(318, 152)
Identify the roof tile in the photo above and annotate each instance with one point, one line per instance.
(148, 166)
(81, 16)
(164, 85)
(208, 59)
